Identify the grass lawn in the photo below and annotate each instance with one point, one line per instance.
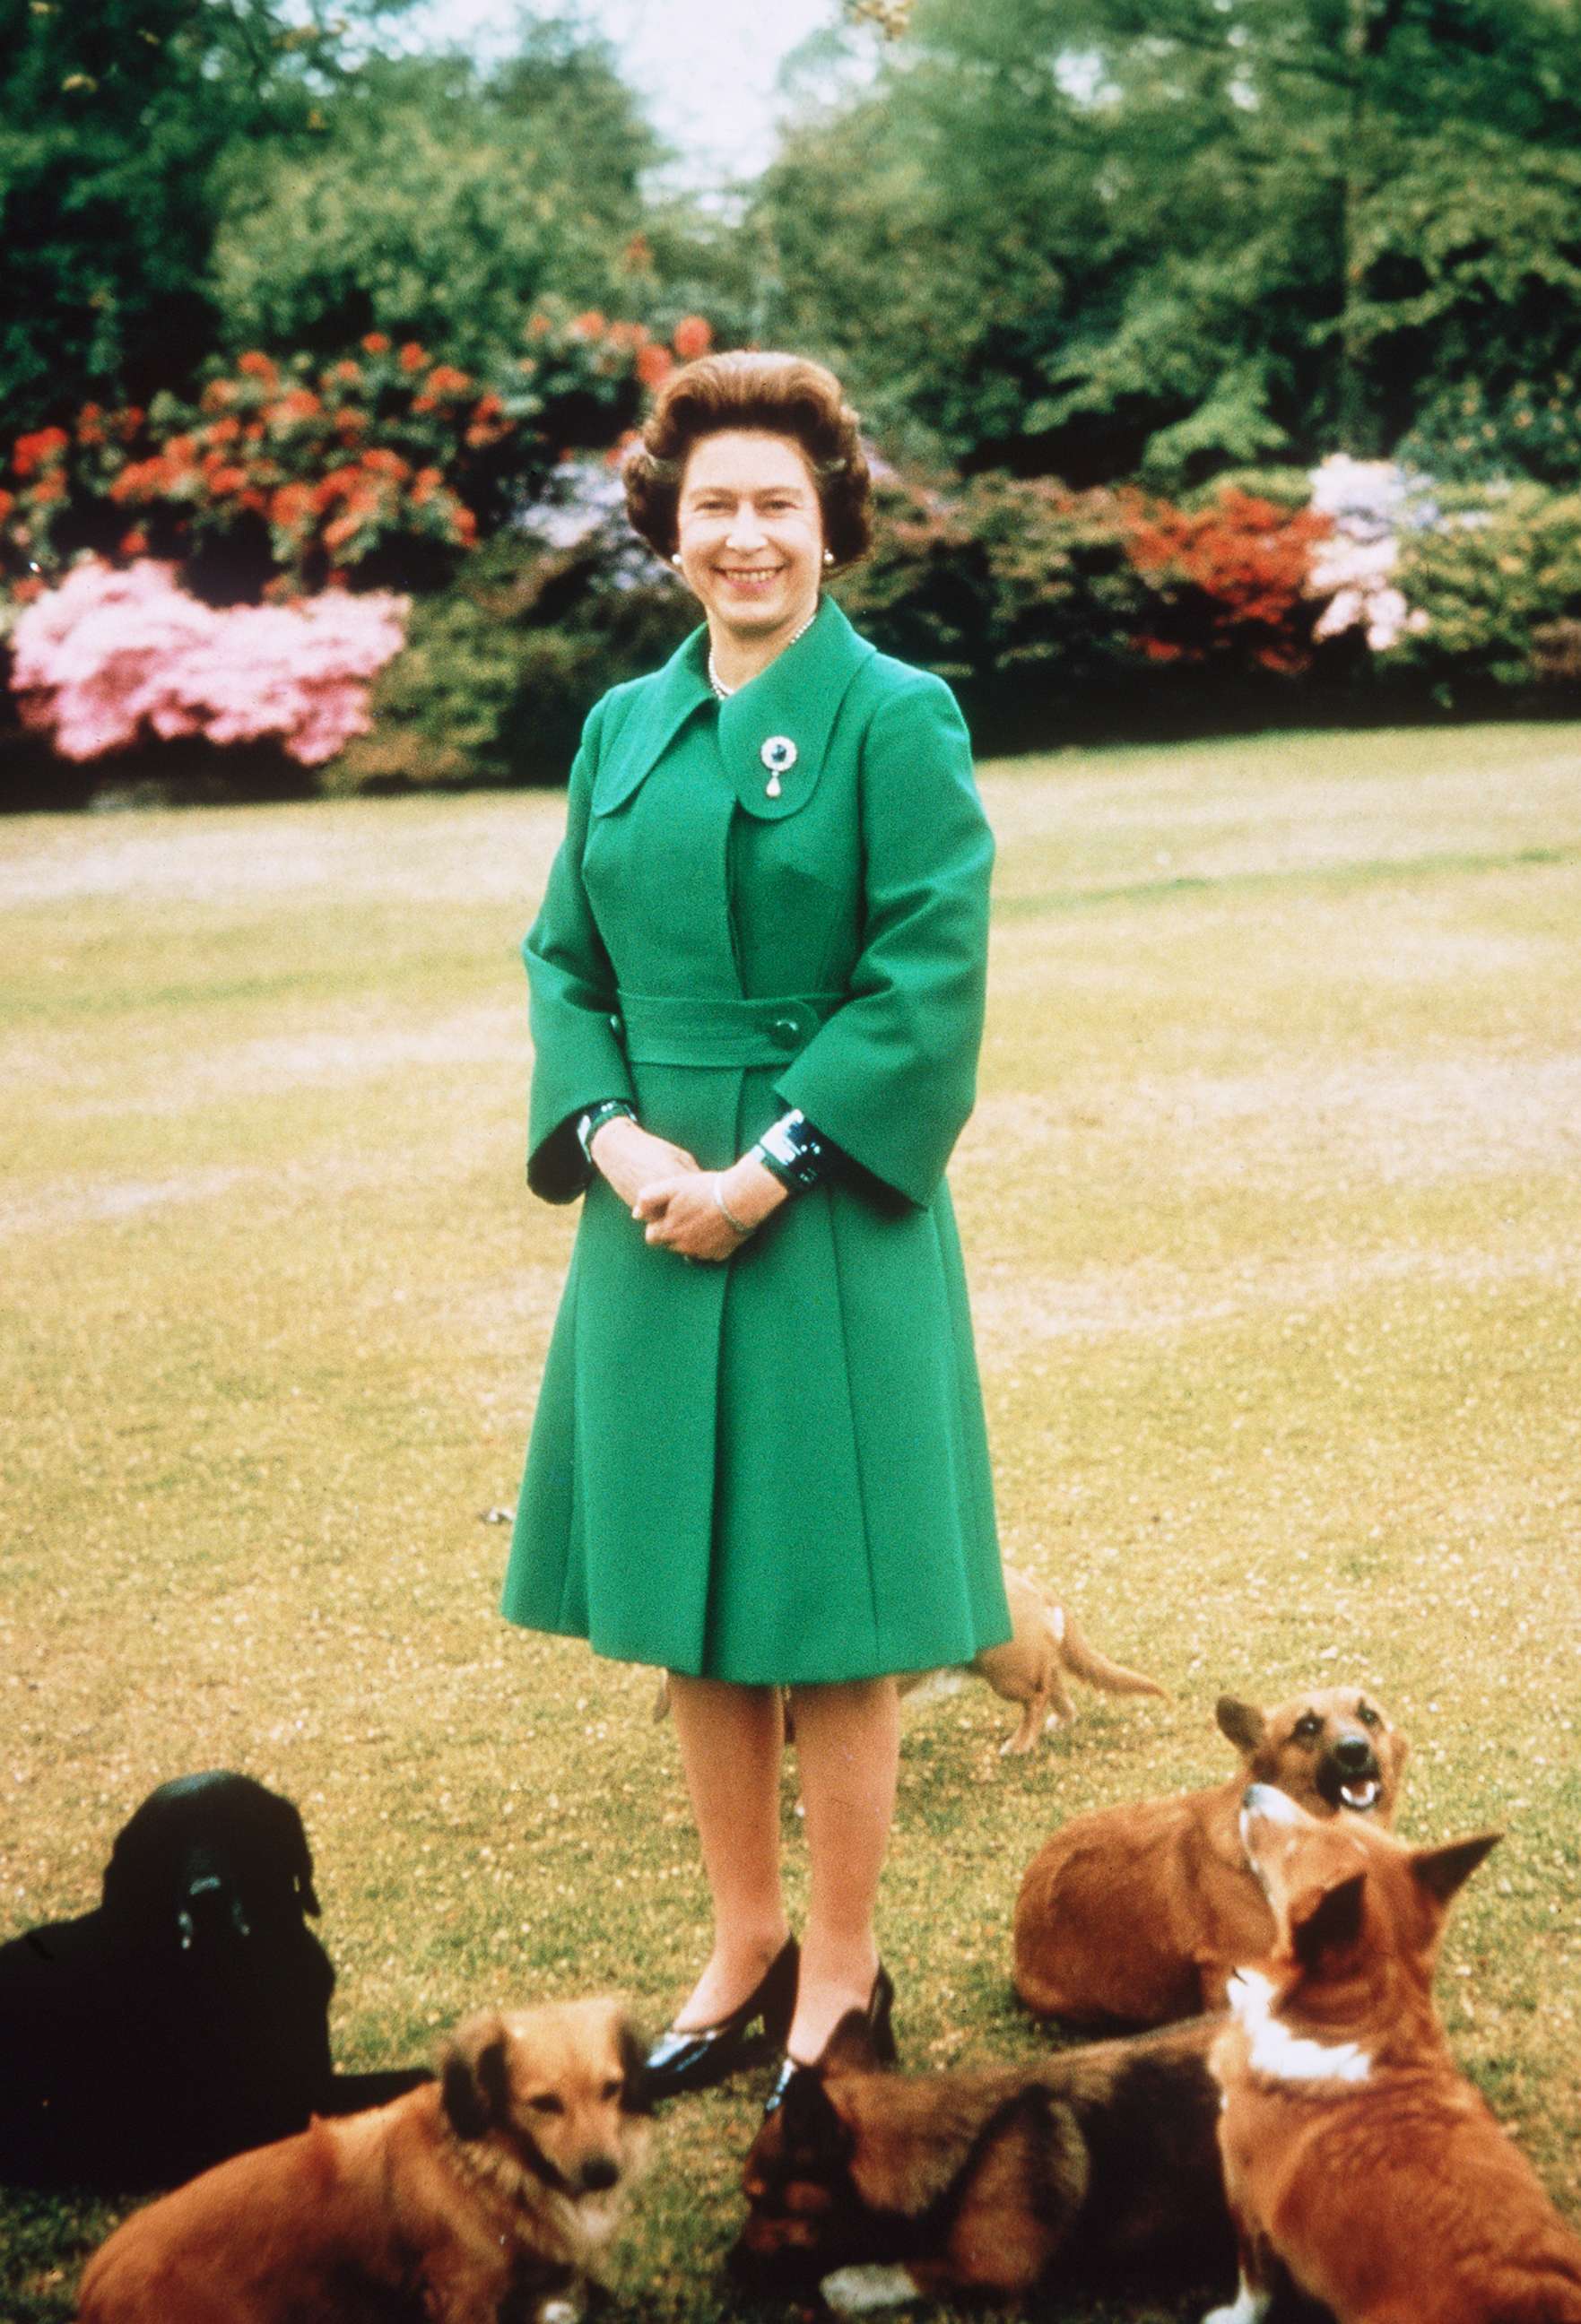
(1273, 1211)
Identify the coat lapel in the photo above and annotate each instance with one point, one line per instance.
(793, 703)
(774, 732)
(661, 706)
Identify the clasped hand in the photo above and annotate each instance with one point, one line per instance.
(673, 1199)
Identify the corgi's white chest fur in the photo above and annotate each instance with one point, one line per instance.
(1283, 2056)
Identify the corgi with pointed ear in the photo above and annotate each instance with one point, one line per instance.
(1135, 1915)
(1361, 2169)
(1095, 2166)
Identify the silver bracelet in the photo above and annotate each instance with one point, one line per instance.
(729, 1216)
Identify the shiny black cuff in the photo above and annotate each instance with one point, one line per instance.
(797, 1155)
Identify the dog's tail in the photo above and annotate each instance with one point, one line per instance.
(1083, 1659)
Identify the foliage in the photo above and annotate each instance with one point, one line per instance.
(923, 590)
(1099, 239)
(1021, 591)
(1469, 267)
(109, 657)
(1068, 594)
(1498, 585)
(114, 118)
(385, 464)
(438, 203)
(501, 669)
(1228, 581)
(1470, 435)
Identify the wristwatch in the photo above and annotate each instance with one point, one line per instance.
(590, 1123)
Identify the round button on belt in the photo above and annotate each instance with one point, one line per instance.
(786, 1030)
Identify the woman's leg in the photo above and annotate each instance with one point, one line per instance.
(732, 1738)
(847, 1750)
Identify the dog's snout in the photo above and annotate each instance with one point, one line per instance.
(599, 2173)
(1355, 1754)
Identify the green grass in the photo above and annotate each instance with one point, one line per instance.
(1272, 1209)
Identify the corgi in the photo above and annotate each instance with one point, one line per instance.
(1047, 1646)
(1361, 2169)
(1096, 2165)
(1136, 1915)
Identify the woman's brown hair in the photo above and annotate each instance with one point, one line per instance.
(782, 395)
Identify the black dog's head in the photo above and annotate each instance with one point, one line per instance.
(215, 1853)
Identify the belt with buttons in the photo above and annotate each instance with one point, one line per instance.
(663, 1029)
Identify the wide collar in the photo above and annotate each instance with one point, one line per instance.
(773, 730)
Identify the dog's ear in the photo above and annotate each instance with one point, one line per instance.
(849, 2049)
(634, 2065)
(289, 1837)
(1326, 1919)
(810, 2124)
(1442, 1870)
(307, 1894)
(475, 2078)
(1244, 1724)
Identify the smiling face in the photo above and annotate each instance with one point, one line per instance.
(750, 535)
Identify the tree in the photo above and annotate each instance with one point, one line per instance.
(439, 202)
(1089, 235)
(112, 119)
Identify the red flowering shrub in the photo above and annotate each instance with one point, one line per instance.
(1227, 581)
(379, 469)
(693, 337)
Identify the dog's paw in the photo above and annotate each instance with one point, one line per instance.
(863, 2291)
(1250, 2308)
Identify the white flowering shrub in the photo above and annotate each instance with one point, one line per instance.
(1369, 504)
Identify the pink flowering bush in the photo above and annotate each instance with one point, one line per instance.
(111, 656)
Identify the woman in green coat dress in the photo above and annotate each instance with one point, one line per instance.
(758, 1459)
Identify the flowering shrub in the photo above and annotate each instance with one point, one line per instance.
(501, 668)
(1530, 430)
(381, 468)
(1066, 596)
(1014, 589)
(111, 656)
(922, 592)
(1497, 583)
(1368, 503)
(1228, 580)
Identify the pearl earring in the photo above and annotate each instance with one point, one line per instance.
(828, 556)
(675, 557)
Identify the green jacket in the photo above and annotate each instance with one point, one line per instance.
(774, 1469)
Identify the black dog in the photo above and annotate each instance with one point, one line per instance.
(188, 2017)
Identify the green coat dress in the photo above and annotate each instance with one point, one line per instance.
(775, 1470)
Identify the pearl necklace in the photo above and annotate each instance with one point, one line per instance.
(725, 692)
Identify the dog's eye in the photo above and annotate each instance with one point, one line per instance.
(612, 2090)
(1367, 1715)
(546, 2104)
(1307, 1728)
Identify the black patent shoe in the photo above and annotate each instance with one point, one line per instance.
(881, 2004)
(696, 2057)
(875, 2021)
